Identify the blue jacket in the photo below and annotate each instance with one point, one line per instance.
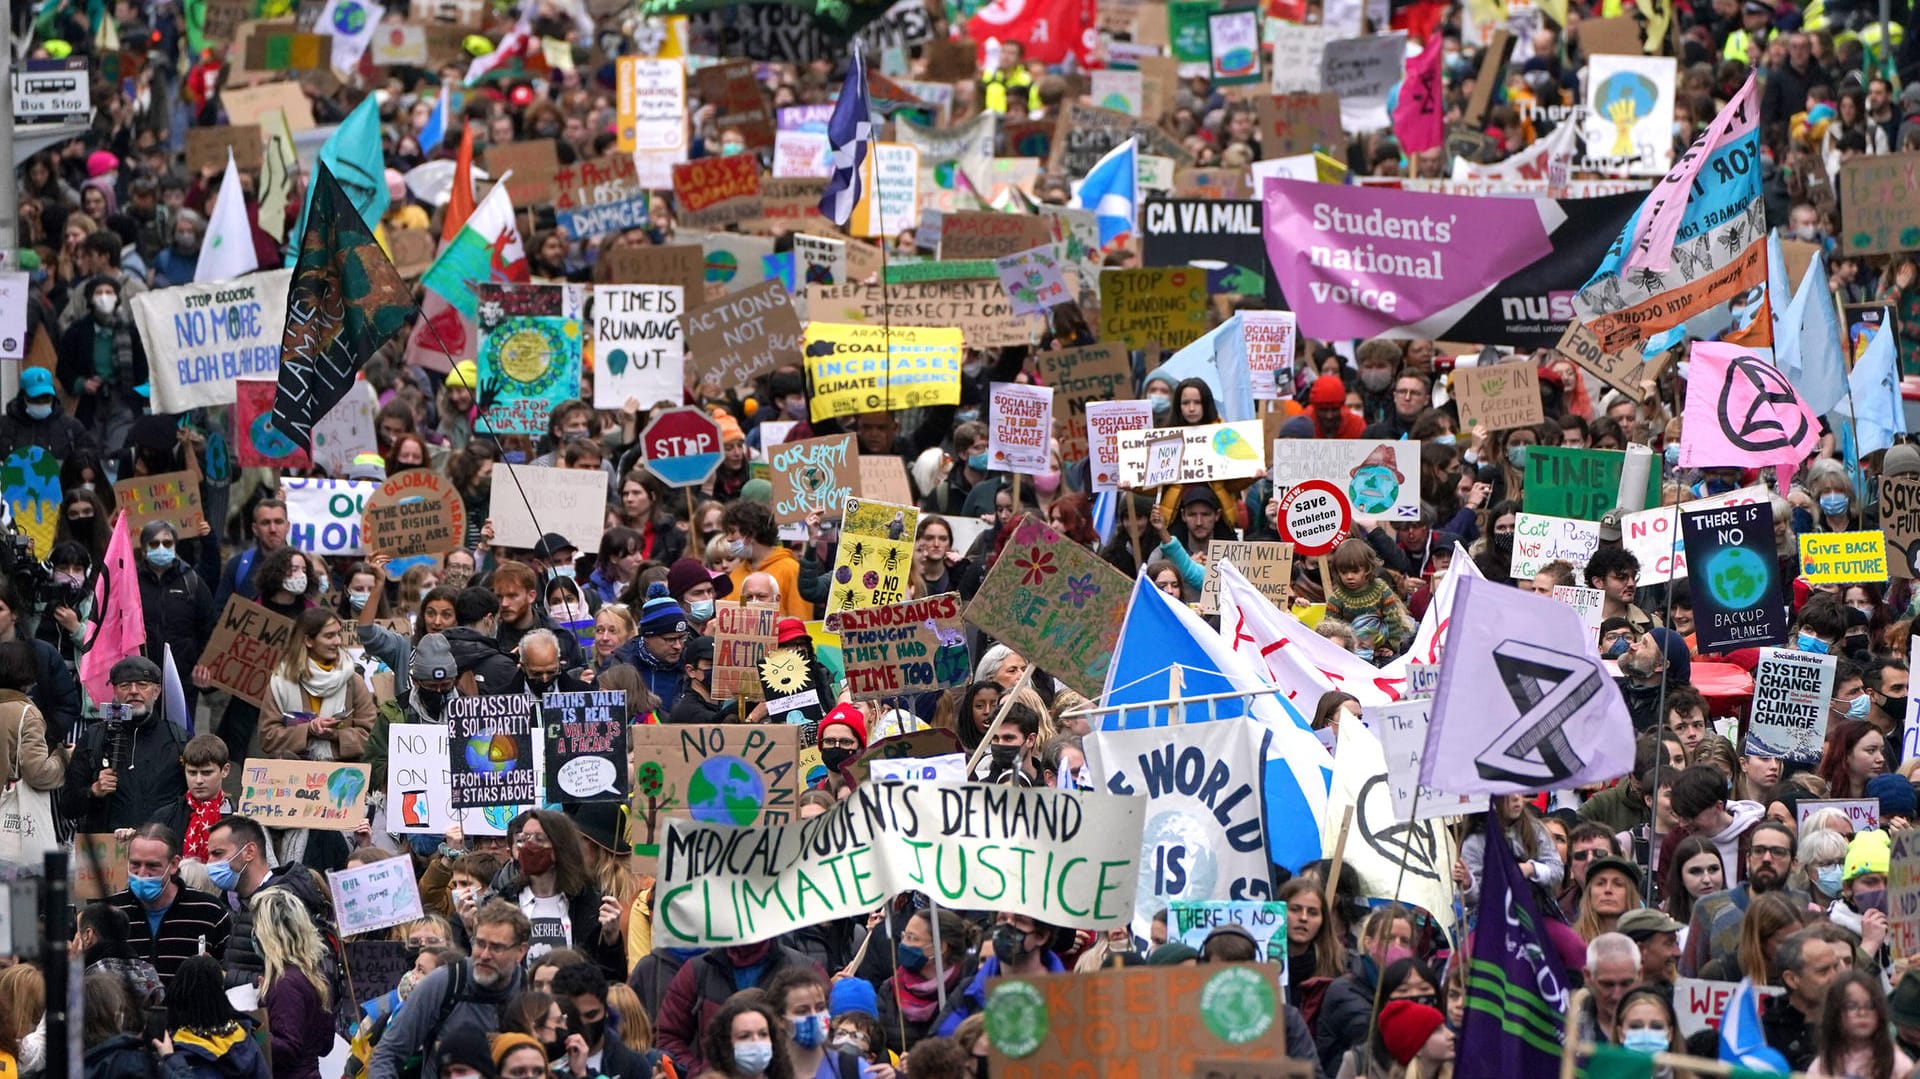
(974, 997)
(667, 683)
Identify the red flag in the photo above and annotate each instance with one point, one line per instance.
(460, 205)
(123, 625)
(1049, 29)
(1419, 119)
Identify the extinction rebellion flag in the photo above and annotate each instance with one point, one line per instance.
(1516, 986)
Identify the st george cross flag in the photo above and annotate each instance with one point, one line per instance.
(345, 302)
(1112, 191)
(850, 134)
(228, 251)
(1524, 702)
(1517, 988)
(123, 628)
(1742, 412)
(1162, 641)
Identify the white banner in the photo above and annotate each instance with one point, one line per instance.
(323, 516)
(529, 501)
(420, 785)
(1411, 863)
(638, 353)
(1380, 479)
(1063, 857)
(1106, 420)
(1205, 833)
(202, 339)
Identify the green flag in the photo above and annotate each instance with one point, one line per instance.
(353, 153)
(1613, 1062)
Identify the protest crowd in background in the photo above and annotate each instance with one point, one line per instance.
(947, 540)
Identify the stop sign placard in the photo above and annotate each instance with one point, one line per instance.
(1315, 516)
(681, 446)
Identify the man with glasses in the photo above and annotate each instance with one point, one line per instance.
(1616, 572)
(1769, 849)
(1412, 393)
(126, 770)
(468, 995)
(657, 652)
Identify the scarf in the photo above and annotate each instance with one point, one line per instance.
(918, 996)
(322, 691)
(201, 817)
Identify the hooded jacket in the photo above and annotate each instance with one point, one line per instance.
(476, 653)
(232, 1055)
(59, 434)
(701, 987)
(1730, 841)
(785, 570)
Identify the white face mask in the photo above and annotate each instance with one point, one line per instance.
(106, 303)
(296, 584)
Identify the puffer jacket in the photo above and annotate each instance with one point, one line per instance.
(476, 653)
(1345, 1011)
(243, 960)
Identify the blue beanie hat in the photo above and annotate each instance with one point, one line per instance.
(660, 614)
(1896, 795)
(853, 995)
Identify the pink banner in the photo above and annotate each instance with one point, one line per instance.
(1650, 244)
(1368, 261)
(1742, 412)
(123, 625)
(1419, 121)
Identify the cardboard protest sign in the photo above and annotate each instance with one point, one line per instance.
(859, 369)
(1107, 423)
(586, 734)
(1737, 593)
(1623, 368)
(902, 649)
(1206, 783)
(1266, 566)
(897, 831)
(529, 501)
(1380, 479)
(207, 147)
(1578, 483)
(1082, 376)
(1900, 524)
(1879, 215)
(490, 742)
(1502, 396)
(884, 479)
(976, 304)
(327, 795)
(1054, 602)
(741, 336)
(875, 556)
(1190, 920)
(201, 339)
(1903, 892)
(670, 264)
(638, 351)
(788, 686)
(1792, 699)
(931, 744)
(813, 476)
(1219, 451)
(1149, 1022)
(742, 635)
(247, 642)
(1298, 122)
(714, 773)
(990, 234)
(1084, 135)
(736, 95)
(1032, 280)
(1843, 557)
(1653, 536)
(347, 431)
(1156, 307)
(530, 355)
(533, 162)
(1539, 539)
(1019, 427)
(710, 192)
(374, 895)
(324, 517)
(374, 966)
(99, 865)
(418, 511)
(173, 497)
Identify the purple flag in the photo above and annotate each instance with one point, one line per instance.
(1516, 986)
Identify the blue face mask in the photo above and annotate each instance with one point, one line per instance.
(1444, 439)
(146, 889)
(223, 875)
(911, 957)
(160, 557)
(1828, 877)
(967, 415)
(1162, 403)
(1672, 454)
(39, 412)
(1644, 1040)
(1618, 648)
(1517, 455)
(978, 462)
(1807, 642)
(1860, 707)
(702, 610)
(1833, 504)
(810, 1032)
(566, 571)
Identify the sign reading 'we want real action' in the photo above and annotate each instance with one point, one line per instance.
(1032, 852)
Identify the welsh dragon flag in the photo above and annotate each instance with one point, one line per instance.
(485, 251)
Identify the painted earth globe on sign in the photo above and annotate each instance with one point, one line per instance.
(1738, 577)
(492, 754)
(724, 790)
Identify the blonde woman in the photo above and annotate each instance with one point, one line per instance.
(318, 708)
(293, 985)
(23, 1005)
(612, 628)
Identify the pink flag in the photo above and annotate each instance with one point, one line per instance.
(1419, 120)
(1651, 234)
(1742, 412)
(123, 626)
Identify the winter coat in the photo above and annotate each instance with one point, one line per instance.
(59, 434)
(583, 910)
(1345, 1010)
(476, 653)
(243, 960)
(151, 784)
(291, 741)
(664, 681)
(179, 612)
(22, 727)
(123, 1056)
(231, 1056)
(1547, 869)
(56, 693)
(420, 1022)
(301, 1026)
(696, 994)
(973, 999)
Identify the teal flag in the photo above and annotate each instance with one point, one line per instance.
(354, 155)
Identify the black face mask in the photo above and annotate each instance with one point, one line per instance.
(541, 683)
(1003, 757)
(555, 1050)
(592, 1031)
(835, 757)
(1009, 944)
(432, 702)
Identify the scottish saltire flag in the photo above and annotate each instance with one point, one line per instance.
(1806, 347)
(1105, 507)
(1879, 414)
(850, 134)
(1742, 1042)
(1165, 652)
(435, 133)
(1517, 988)
(1112, 191)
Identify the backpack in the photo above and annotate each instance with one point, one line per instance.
(459, 981)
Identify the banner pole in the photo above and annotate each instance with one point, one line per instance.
(939, 961)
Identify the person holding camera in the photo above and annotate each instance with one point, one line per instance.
(55, 690)
(66, 603)
(126, 769)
